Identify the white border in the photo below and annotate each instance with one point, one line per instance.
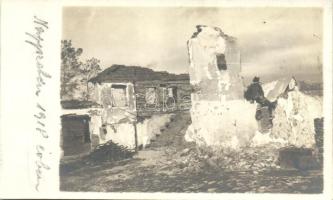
(17, 74)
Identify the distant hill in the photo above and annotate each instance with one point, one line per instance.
(308, 85)
(311, 88)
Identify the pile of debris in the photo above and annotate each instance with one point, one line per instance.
(102, 154)
(110, 151)
(194, 159)
(253, 158)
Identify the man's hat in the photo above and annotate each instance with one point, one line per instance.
(256, 79)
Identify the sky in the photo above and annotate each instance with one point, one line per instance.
(274, 41)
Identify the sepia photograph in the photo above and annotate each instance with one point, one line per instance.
(191, 99)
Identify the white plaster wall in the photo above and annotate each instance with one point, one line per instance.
(95, 128)
(227, 124)
(294, 119)
(220, 116)
(293, 122)
(118, 121)
(123, 134)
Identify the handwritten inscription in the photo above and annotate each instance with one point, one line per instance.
(36, 40)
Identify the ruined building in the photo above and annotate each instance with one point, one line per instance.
(221, 116)
(130, 106)
(132, 103)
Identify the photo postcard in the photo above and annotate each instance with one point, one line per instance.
(166, 100)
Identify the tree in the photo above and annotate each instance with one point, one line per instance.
(89, 70)
(70, 69)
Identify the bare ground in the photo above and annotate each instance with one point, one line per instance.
(163, 168)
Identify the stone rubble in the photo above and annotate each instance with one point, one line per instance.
(109, 151)
(194, 159)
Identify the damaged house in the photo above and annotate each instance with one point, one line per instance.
(131, 105)
(215, 68)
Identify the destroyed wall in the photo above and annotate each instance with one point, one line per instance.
(122, 94)
(116, 120)
(294, 116)
(154, 97)
(220, 116)
(155, 91)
